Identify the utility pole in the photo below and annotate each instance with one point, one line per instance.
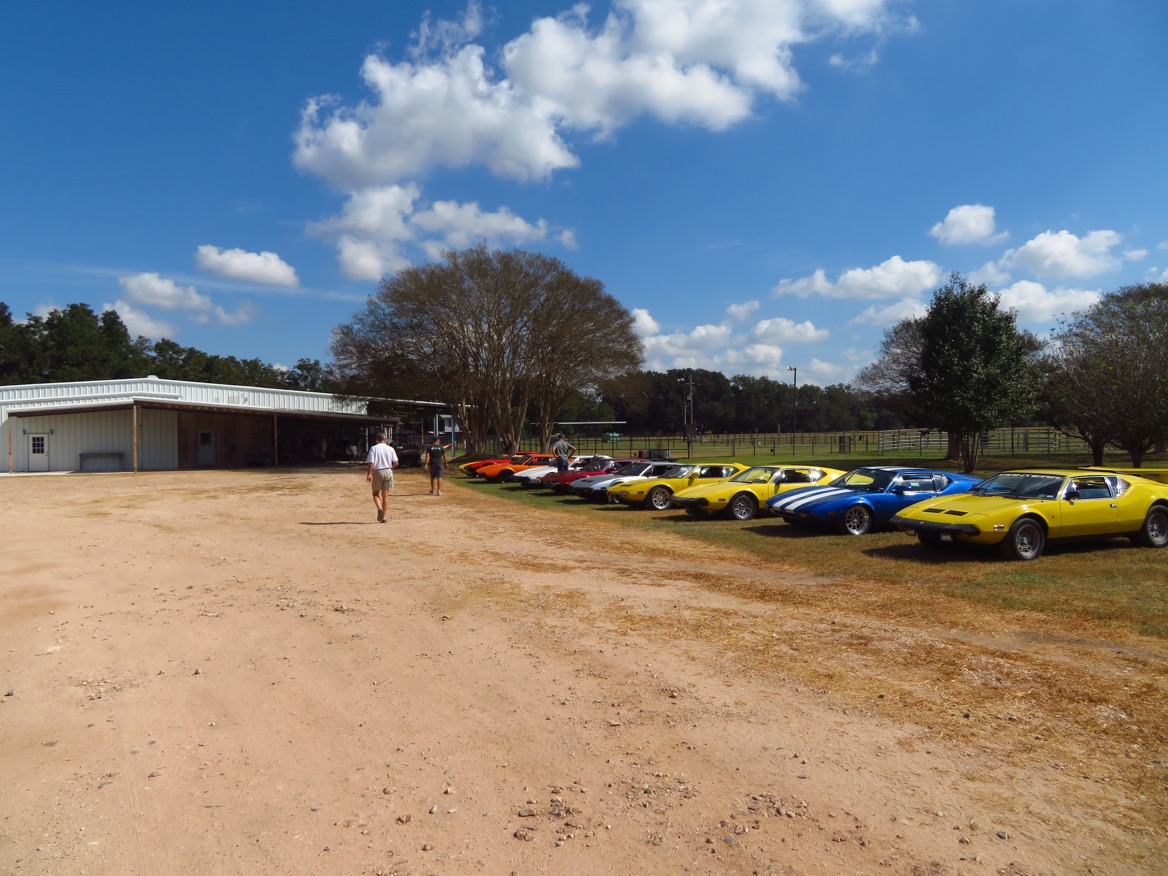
(794, 402)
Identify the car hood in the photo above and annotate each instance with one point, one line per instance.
(952, 508)
(804, 498)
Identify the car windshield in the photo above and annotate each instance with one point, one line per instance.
(760, 474)
(633, 468)
(871, 479)
(1020, 485)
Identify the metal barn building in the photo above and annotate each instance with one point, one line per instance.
(154, 424)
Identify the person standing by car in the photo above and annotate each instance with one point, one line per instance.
(436, 462)
(382, 461)
(563, 451)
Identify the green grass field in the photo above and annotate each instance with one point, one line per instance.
(1109, 583)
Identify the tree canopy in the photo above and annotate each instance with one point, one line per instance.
(976, 370)
(1106, 381)
(74, 343)
(496, 335)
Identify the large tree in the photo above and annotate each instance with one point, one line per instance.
(977, 371)
(493, 334)
(1107, 380)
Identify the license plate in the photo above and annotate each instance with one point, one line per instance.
(945, 536)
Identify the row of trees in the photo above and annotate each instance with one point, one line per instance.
(77, 344)
(509, 338)
(964, 367)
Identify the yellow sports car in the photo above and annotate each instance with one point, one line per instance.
(1020, 511)
(740, 496)
(655, 493)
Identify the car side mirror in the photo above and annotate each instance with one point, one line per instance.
(1072, 494)
(897, 488)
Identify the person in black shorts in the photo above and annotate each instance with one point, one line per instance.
(436, 462)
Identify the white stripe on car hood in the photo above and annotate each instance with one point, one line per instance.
(797, 499)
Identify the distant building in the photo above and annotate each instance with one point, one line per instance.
(149, 424)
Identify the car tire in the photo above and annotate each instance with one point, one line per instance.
(1024, 541)
(931, 540)
(658, 498)
(506, 476)
(742, 507)
(856, 520)
(1154, 532)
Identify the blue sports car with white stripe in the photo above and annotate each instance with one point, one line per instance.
(866, 498)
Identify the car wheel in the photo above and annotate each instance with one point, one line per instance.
(1024, 541)
(742, 507)
(857, 520)
(506, 476)
(1154, 532)
(930, 540)
(658, 498)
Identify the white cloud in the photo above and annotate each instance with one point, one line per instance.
(140, 323)
(1135, 255)
(460, 225)
(890, 314)
(644, 324)
(741, 311)
(783, 329)
(263, 267)
(1037, 304)
(700, 62)
(450, 112)
(150, 288)
(154, 290)
(989, 274)
(969, 223)
(600, 82)
(1063, 254)
(718, 347)
(376, 223)
(892, 278)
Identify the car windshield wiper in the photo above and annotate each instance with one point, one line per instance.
(1008, 492)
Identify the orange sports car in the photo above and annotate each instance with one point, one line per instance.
(505, 471)
(470, 469)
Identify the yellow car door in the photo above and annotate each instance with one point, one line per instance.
(1088, 507)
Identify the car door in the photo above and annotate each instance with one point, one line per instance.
(906, 489)
(1088, 507)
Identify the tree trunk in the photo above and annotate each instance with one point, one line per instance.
(953, 453)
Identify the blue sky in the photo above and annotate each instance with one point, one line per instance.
(764, 183)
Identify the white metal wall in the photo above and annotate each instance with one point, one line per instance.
(99, 432)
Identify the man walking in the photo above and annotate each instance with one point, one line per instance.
(436, 462)
(563, 451)
(382, 461)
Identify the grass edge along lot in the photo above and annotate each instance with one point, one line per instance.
(1108, 583)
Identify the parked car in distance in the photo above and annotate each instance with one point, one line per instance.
(596, 487)
(866, 498)
(656, 492)
(561, 481)
(470, 469)
(532, 477)
(741, 496)
(505, 471)
(1021, 511)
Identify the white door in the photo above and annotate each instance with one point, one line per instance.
(206, 448)
(38, 452)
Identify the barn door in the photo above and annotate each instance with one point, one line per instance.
(38, 451)
(206, 448)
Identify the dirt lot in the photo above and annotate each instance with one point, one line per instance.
(242, 672)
